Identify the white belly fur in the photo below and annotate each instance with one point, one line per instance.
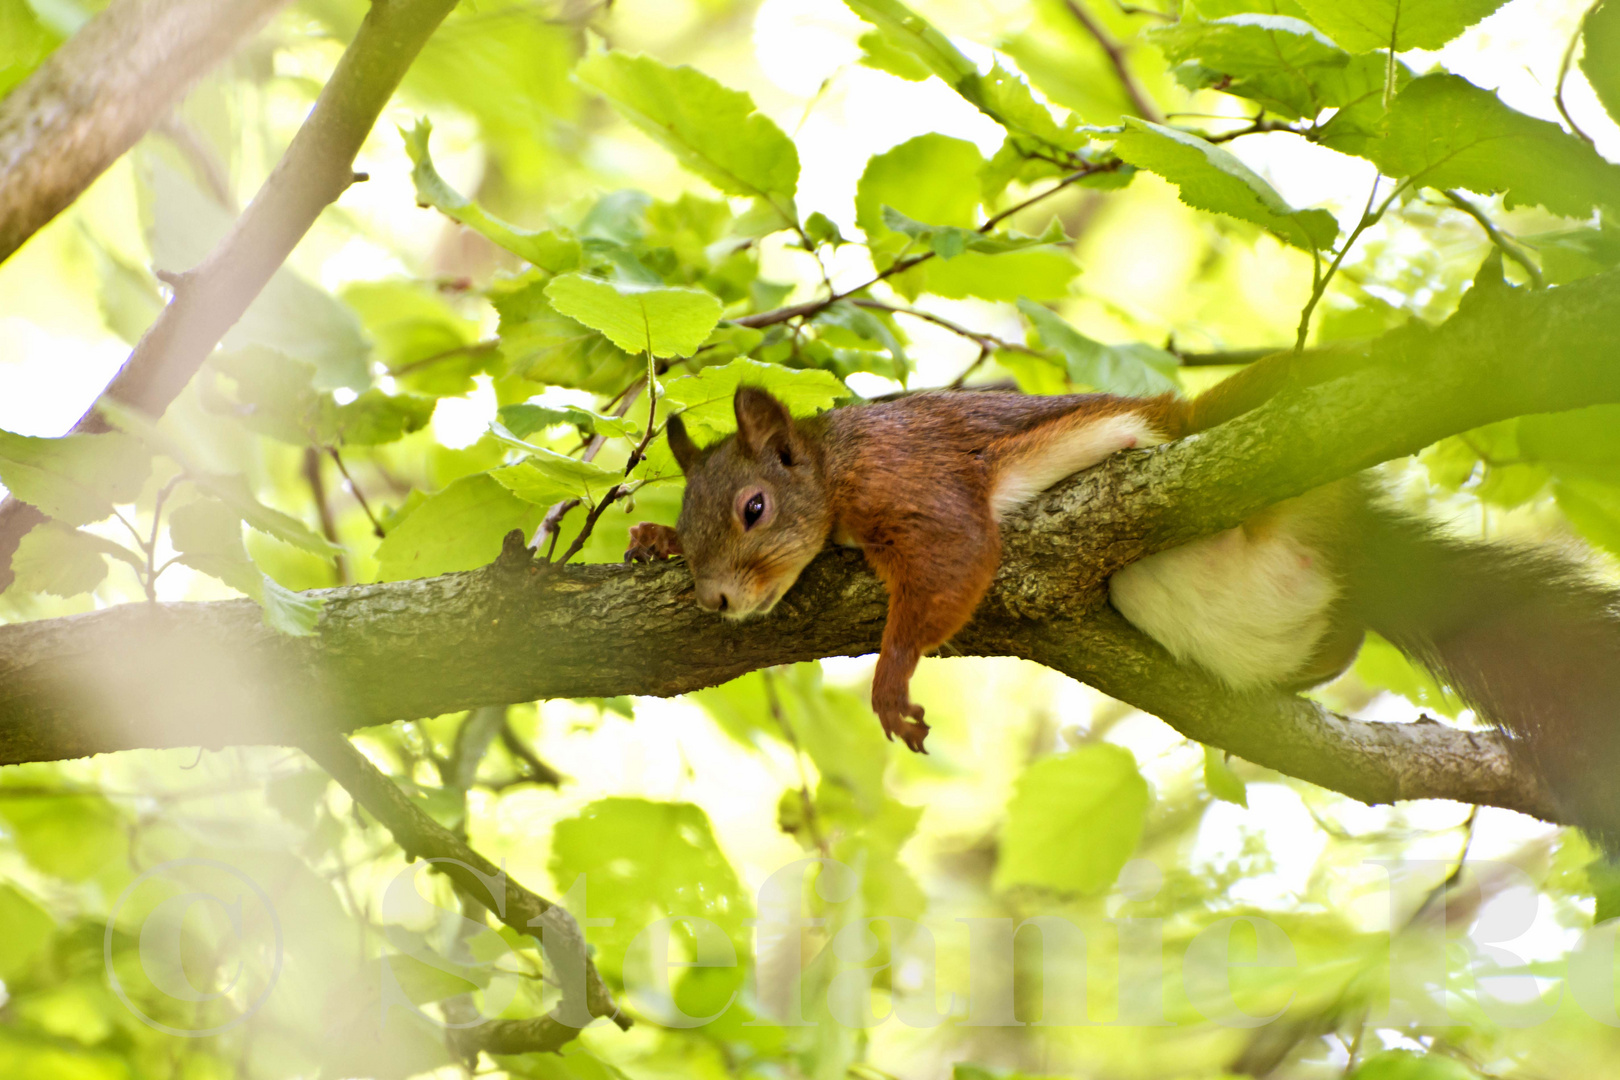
(1079, 448)
(1250, 610)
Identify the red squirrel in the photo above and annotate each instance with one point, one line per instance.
(920, 484)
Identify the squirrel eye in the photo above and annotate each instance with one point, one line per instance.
(752, 509)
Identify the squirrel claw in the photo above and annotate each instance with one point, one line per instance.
(906, 721)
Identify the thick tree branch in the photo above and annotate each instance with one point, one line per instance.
(211, 674)
(315, 170)
(101, 91)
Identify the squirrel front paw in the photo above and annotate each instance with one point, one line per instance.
(901, 717)
(649, 541)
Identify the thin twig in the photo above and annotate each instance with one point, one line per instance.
(551, 524)
(1368, 220)
(811, 307)
(978, 361)
(986, 341)
(1116, 56)
(539, 771)
(354, 489)
(1563, 73)
(323, 510)
(1505, 246)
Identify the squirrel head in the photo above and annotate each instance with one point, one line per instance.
(755, 511)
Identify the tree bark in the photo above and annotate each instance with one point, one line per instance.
(315, 170)
(145, 675)
(100, 92)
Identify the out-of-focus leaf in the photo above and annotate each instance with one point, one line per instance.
(289, 315)
(1073, 821)
(1220, 781)
(638, 318)
(1135, 370)
(908, 32)
(545, 480)
(25, 41)
(878, 52)
(865, 328)
(1379, 664)
(75, 479)
(644, 861)
(1445, 132)
(52, 558)
(1366, 25)
(1406, 1065)
(28, 930)
(712, 130)
(459, 528)
(66, 836)
(1210, 178)
(706, 396)
(1600, 57)
(234, 492)
(553, 250)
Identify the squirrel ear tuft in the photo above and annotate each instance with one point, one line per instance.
(681, 444)
(763, 423)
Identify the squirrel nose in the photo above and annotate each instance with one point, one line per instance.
(713, 598)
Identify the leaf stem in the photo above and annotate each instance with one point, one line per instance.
(1503, 244)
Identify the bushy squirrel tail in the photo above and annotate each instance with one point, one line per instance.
(1528, 638)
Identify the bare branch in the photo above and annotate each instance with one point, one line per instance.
(315, 170)
(1116, 56)
(101, 91)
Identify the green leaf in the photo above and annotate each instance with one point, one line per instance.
(1380, 664)
(544, 346)
(1365, 25)
(1133, 370)
(425, 343)
(1444, 132)
(1073, 821)
(706, 396)
(523, 420)
(714, 131)
(375, 418)
(1406, 1065)
(52, 558)
(638, 318)
(285, 611)
(459, 528)
(1210, 178)
(879, 53)
(546, 477)
(25, 41)
(28, 930)
(233, 491)
(290, 315)
(553, 250)
(929, 178)
(1600, 58)
(1220, 781)
(1270, 58)
(1357, 92)
(644, 861)
(65, 836)
(75, 479)
(908, 32)
(1249, 44)
(864, 329)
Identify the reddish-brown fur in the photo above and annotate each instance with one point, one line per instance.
(923, 518)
